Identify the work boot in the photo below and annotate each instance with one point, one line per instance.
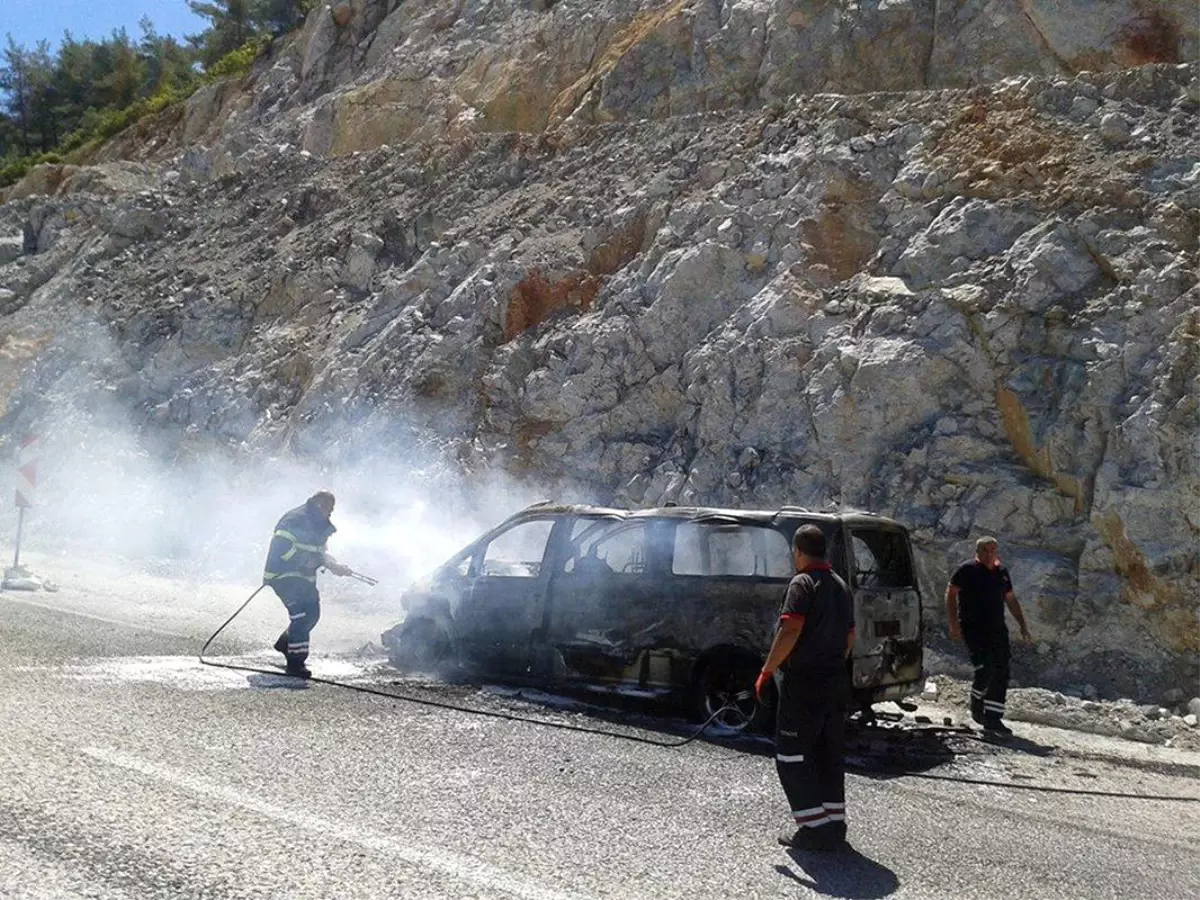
(996, 728)
(281, 644)
(298, 670)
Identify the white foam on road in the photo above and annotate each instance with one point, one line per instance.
(186, 673)
(458, 865)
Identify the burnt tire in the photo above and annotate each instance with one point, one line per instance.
(727, 681)
(421, 645)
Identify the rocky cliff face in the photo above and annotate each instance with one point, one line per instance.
(603, 246)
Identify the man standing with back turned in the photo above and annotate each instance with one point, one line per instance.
(297, 551)
(976, 596)
(811, 646)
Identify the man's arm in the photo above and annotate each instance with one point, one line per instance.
(1014, 607)
(952, 612)
(785, 640)
(333, 565)
(786, 636)
(849, 642)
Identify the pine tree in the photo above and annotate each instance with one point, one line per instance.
(21, 80)
(280, 16)
(232, 25)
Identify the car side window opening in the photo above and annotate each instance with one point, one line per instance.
(881, 558)
(609, 548)
(723, 549)
(518, 552)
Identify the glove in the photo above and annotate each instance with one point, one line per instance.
(764, 678)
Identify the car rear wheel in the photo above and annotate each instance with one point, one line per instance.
(422, 645)
(724, 688)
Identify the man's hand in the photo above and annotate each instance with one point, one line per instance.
(1025, 635)
(338, 569)
(955, 631)
(763, 678)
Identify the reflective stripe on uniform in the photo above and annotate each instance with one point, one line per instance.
(296, 544)
(275, 576)
(297, 616)
(811, 818)
(789, 758)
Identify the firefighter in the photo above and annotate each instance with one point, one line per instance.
(812, 644)
(976, 596)
(297, 551)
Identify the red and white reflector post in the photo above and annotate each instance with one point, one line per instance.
(26, 485)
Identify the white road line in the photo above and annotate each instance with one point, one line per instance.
(105, 619)
(460, 866)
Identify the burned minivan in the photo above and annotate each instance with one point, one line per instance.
(678, 603)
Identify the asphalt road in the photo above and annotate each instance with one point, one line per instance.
(128, 771)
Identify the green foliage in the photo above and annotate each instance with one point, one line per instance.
(237, 62)
(14, 170)
(92, 90)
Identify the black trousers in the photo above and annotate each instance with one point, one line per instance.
(990, 654)
(304, 611)
(810, 750)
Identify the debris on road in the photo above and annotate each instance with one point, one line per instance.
(20, 578)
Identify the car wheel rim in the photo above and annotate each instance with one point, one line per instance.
(722, 701)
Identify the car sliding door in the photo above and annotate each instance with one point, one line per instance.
(733, 574)
(605, 601)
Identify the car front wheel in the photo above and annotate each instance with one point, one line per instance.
(422, 645)
(724, 689)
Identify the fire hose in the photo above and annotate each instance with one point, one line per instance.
(637, 739)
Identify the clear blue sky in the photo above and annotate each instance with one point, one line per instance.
(30, 21)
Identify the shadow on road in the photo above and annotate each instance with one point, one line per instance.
(847, 874)
(1021, 745)
(276, 682)
(875, 750)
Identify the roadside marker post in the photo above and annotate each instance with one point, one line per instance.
(26, 486)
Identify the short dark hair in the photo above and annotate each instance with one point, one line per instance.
(809, 540)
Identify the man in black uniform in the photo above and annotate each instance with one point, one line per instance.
(811, 646)
(297, 551)
(976, 596)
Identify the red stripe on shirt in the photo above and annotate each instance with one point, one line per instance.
(792, 617)
(817, 567)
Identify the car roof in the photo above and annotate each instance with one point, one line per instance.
(702, 513)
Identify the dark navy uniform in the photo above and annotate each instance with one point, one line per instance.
(297, 551)
(814, 696)
(981, 592)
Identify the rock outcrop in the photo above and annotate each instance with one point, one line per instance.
(604, 246)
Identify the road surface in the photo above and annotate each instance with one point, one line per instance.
(129, 771)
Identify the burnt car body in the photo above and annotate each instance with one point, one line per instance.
(675, 602)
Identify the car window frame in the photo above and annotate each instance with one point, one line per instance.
(479, 551)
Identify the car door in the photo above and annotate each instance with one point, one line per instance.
(600, 617)
(501, 615)
(887, 608)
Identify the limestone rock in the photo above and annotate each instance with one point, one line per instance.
(11, 248)
(881, 255)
